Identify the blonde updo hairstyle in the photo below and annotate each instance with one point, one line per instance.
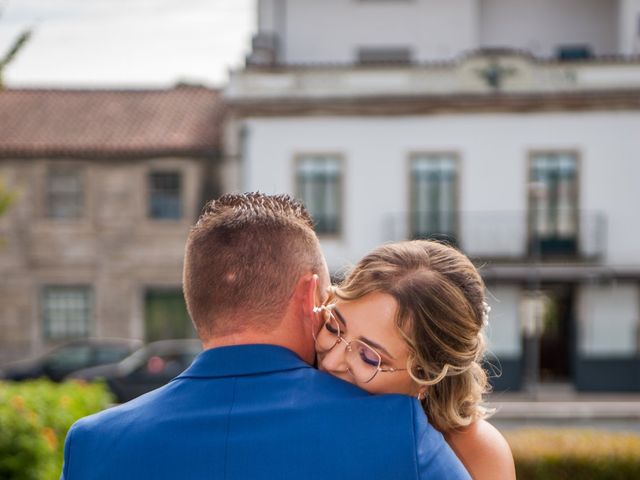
(440, 313)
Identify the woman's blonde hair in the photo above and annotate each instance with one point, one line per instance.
(441, 313)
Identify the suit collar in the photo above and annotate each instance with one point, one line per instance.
(243, 360)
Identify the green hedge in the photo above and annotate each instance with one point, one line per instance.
(34, 420)
(549, 454)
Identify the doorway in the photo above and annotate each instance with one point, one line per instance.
(549, 335)
(165, 315)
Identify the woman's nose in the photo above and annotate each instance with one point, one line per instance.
(334, 359)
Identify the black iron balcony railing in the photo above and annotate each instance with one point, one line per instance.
(510, 235)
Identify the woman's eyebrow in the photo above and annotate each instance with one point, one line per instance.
(377, 345)
(339, 315)
(364, 339)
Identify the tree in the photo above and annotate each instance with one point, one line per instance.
(6, 198)
(17, 45)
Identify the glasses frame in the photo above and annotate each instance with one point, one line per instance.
(347, 344)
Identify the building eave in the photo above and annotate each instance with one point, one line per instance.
(599, 60)
(619, 100)
(540, 273)
(107, 154)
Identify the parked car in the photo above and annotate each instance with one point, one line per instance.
(150, 367)
(69, 357)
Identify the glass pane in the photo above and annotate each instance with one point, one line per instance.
(433, 196)
(165, 195)
(66, 312)
(65, 195)
(362, 360)
(318, 186)
(553, 203)
(328, 335)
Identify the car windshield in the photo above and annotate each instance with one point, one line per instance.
(70, 357)
(111, 353)
(183, 353)
(135, 359)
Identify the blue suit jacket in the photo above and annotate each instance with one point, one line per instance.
(258, 412)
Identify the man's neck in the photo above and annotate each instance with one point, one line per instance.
(239, 338)
(252, 337)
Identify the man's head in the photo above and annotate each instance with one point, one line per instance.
(249, 260)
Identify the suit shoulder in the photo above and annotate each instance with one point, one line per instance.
(113, 417)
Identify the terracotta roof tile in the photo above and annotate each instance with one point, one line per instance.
(109, 122)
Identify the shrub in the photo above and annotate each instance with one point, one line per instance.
(545, 454)
(34, 420)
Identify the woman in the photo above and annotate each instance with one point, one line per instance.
(409, 319)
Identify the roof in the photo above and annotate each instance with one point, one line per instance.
(108, 123)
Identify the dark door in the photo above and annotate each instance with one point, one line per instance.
(549, 347)
(166, 316)
(557, 339)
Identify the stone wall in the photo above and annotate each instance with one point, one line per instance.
(114, 248)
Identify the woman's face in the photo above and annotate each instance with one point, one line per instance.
(370, 320)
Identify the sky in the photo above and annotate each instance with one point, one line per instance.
(126, 43)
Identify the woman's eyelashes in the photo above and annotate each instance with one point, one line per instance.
(367, 357)
(331, 328)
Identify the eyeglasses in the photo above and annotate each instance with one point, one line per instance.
(363, 361)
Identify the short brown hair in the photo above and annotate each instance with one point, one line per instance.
(243, 259)
(441, 312)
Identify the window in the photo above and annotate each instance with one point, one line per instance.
(166, 315)
(553, 212)
(165, 195)
(574, 52)
(65, 192)
(66, 312)
(318, 185)
(433, 190)
(373, 55)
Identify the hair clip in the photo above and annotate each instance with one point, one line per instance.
(485, 313)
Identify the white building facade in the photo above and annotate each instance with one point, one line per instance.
(509, 128)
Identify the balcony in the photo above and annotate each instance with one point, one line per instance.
(507, 236)
(476, 73)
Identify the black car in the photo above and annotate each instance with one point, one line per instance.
(147, 369)
(69, 357)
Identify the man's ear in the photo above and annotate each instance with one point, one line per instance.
(310, 297)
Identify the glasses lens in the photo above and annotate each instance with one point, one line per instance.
(363, 361)
(329, 333)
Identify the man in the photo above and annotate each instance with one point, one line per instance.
(251, 406)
